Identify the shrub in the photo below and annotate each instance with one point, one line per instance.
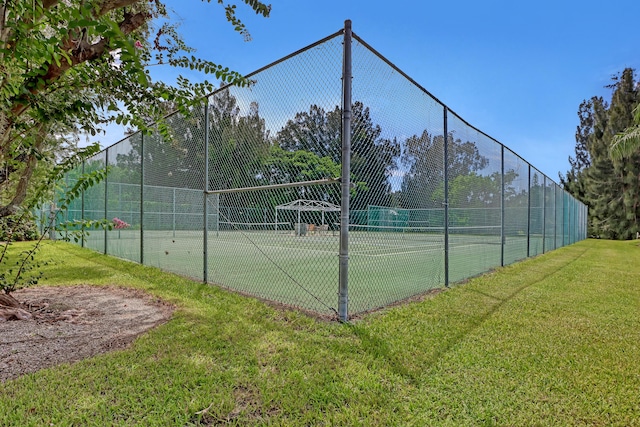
(18, 228)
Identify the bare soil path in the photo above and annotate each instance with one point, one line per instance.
(73, 323)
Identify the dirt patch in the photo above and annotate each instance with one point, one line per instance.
(74, 323)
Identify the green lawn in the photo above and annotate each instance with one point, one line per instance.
(553, 340)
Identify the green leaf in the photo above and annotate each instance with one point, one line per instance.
(142, 79)
(86, 22)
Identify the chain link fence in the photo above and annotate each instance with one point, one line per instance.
(249, 190)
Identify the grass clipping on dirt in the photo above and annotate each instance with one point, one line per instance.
(550, 341)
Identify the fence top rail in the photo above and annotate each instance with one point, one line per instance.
(275, 186)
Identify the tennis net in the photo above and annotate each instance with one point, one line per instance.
(253, 226)
(475, 234)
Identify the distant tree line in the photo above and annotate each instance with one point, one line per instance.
(243, 153)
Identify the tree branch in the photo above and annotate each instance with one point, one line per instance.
(84, 52)
(30, 164)
(3, 13)
(48, 4)
(9, 168)
(109, 5)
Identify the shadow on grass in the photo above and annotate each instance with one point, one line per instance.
(379, 348)
(455, 327)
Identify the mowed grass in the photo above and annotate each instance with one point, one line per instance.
(553, 340)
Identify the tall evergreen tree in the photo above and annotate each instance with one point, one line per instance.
(612, 187)
(573, 182)
(627, 170)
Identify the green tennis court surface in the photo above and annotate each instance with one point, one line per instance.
(282, 264)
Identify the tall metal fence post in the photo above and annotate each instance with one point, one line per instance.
(173, 211)
(141, 198)
(562, 214)
(503, 239)
(555, 217)
(544, 213)
(205, 241)
(343, 294)
(82, 211)
(529, 212)
(445, 158)
(106, 195)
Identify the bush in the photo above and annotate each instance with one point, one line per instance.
(18, 228)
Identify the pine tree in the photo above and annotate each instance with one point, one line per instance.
(611, 186)
(626, 169)
(573, 182)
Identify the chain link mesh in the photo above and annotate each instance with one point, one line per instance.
(278, 241)
(244, 191)
(516, 207)
(173, 211)
(94, 202)
(396, 216)
(73, 211)
(474, 164)
(123, 192)
(549, 215)
(536, 224)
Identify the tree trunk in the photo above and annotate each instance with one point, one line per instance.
(11, 309)
(7, 300)
(31, 161)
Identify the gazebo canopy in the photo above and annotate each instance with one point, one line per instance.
(301, 205)
(309, 205)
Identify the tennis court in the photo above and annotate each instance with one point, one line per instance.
(274, 261)
(270, 169)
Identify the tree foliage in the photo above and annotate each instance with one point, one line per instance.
(609, 185)
(626, 143)
(422, 185)
(73, 66)
(286, 166)
(373, 157)
(483, 191)
(573, 180)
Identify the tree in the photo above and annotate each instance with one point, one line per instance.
(73, 66)
(241, 154)
(483, 191)
(372, 157)
(238, 146)
(316, 131)
(627, 143)
(69, 66)
(573, 181)
(624, 203)
(284, 166)
(423, 184)
(609, 185)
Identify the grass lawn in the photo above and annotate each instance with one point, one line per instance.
(553, 340)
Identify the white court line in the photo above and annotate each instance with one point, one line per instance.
(288, 248)
(353, 250)
(326, 252)
(409, 252)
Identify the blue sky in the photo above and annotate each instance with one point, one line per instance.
(518, 71)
